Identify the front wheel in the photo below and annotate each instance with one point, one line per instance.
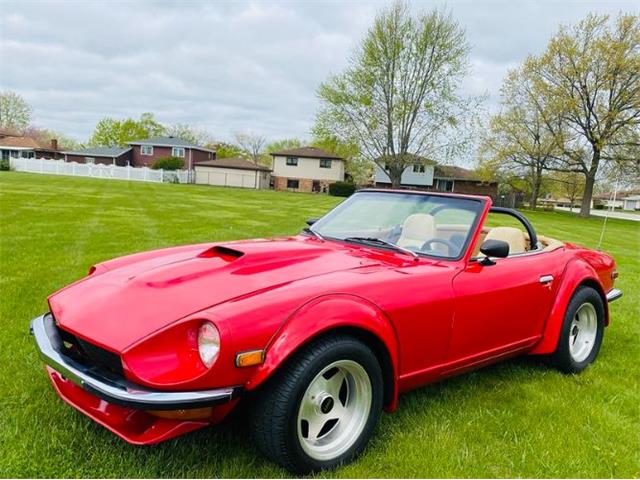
(582, 332)
(321, 408)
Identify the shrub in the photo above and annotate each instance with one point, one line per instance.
(341, 189)
(5, 165)
(168, 163)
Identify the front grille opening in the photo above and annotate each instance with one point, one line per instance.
(88, 354)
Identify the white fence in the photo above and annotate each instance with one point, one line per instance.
(60, 167)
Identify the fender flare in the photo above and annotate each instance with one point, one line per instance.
(577, 272)
(329, 313)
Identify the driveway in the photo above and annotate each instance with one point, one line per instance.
(601, 213)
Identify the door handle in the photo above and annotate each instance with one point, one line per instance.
(545, 279)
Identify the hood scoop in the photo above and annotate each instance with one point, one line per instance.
(222, 252)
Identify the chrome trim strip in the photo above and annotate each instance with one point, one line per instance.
(117, 390)
(613, 295)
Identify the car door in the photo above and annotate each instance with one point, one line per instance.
(502, 307)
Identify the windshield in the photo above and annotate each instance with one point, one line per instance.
(425, 224)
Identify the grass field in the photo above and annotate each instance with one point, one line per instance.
(515, 419)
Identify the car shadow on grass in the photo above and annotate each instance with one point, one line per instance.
(227, 449)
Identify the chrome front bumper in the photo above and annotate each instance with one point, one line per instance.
(613, 295)
(118, 390)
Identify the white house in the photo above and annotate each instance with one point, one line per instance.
(631, 203)
(232, 172)
(305, 169)
(418, 175)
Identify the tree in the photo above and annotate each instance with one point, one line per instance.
(518, 141)
(44, 137)
(570, 185)
(226, 150)
(590, 76)
(118, 133)
(15, 112)
(278, 145)
(252, 144)
(398, 97)
(194, 135)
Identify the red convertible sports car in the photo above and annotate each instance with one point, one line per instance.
(322, 331)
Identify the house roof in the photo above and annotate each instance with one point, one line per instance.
(306, 152)
(632, 197)
(24, 142)
(99, 152)
(451, 172)
(170, 142)
(235, 163)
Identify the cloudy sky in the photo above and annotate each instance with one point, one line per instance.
(231, 66)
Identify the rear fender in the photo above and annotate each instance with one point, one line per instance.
(338, 312)
(577, 272)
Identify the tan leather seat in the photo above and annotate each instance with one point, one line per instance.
(514, 237)
(417, 229)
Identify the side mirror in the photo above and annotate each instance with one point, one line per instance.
(493, 248)
(311, 221)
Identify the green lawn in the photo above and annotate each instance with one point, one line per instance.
(516, 419)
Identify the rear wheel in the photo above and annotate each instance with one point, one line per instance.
(582, 332)
(321, 408)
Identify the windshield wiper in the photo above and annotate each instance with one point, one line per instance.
(379, 241)
(312, 232)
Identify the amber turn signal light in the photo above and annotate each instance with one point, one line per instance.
(250, 358)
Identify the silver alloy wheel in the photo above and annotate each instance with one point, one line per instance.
(583, 331)
(334, 410)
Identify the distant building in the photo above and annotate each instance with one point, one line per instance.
(631, 203)
(100, 155)
(426, 175)
(18, 146)
(146, 152)
(233, 172)
(305, 169)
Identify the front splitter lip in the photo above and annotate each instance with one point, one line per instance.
(115, 390)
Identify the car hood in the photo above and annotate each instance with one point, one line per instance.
(124, 302)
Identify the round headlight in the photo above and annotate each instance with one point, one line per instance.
(208, 343)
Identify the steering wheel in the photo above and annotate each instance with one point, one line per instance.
(450, 245)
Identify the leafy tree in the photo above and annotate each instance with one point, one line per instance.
(518, 142)
(398, 96)
(227, 150)
(118, 133)
(252, 144)
(15, 112)
(589, 76)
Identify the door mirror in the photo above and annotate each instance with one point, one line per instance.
(493, 248)
(311, 221)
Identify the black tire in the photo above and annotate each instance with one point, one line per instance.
(562, 358)
(274, 415)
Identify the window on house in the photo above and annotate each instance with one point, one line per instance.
(177, 152)
(444, 185)
(292, 161)
(293, 183)
(418, 168)
(325, 163)
(89, 160)
(146, 150)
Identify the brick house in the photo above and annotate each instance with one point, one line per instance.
(18, 146)
(427, 175)
(146, 152)
(103, 155)
(305, 169)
